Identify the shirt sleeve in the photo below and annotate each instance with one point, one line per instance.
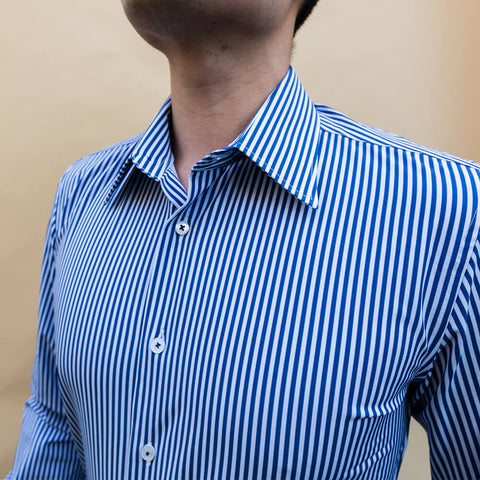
(45, 449)
(447, 403)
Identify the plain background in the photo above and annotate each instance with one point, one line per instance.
(75, 77)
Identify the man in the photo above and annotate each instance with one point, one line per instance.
(257, 287)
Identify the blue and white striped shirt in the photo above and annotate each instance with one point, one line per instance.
(317, 286)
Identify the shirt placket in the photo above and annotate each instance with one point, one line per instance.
(160, 324)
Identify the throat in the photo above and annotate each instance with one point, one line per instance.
(212, 106)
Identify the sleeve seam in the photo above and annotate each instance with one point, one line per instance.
(476, 236)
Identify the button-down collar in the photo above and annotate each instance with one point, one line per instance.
(283, 138)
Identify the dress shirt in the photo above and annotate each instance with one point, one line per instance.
(316, 287)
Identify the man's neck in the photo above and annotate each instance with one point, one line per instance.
(215, 94)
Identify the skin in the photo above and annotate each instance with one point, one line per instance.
(225, 58)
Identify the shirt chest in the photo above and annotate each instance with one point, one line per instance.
(245, 327)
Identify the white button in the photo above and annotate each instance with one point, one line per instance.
(157, 345)
(182, 228)
(148, 452)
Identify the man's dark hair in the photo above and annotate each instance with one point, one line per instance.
(304, 12)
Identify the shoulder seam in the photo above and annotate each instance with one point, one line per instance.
(413, 148)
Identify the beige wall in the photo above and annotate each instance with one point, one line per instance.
(75, 78)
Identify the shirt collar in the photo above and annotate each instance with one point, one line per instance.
(283, 139)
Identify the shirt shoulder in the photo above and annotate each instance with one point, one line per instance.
(90, 178)
(338, 123)
(106, 158)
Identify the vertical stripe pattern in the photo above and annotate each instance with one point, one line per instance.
(317, 285)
